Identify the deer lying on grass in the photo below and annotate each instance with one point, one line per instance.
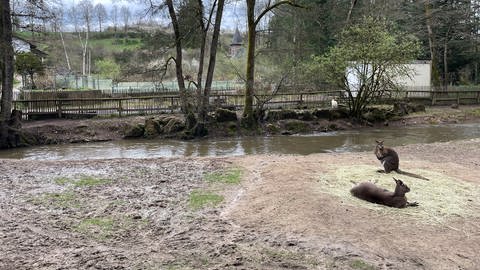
(370, 192)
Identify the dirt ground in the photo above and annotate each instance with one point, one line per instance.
(286, 212)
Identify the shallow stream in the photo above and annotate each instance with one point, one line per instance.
(340, 141)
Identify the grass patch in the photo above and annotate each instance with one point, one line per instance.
(84, 181)
(89, 181)
(105, 227)
(68, 199)
(474, 112)
(440, 198)
(200, 199)
(361, 265)
(100, 227)
(62, 181)
(229, 176)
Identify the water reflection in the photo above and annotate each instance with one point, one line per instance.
(342, 141)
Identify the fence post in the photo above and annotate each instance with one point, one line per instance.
(458, 98)
(59, 108)
(433, 98)
(478, 96)
(120, 108)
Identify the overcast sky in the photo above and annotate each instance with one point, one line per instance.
(233, 15)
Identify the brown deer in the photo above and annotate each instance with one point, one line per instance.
(370, 192)
(390, 161)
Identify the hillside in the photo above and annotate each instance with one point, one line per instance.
(138, 55)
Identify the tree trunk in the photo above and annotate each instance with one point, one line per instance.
(248, 119)
(178, 58)
(445, 65)
(350, 10)
(202, 56)
(6, 69)
(431, 44)
(65, 51)
(213, 57)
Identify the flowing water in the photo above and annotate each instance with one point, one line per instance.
(341, 141)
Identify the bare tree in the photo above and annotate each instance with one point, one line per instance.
(101, 14)
(86, 12)
(253, 19)
(126, 16)
(85, 8)
(114, 17)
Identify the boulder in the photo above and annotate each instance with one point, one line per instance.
(174, 125)
(135, 131)
(296, 126)
(152, 128)
(224, 115)
(275, 115)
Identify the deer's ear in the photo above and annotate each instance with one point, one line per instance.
(398, 181)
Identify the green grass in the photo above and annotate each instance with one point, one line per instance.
(89, 181)
(474, 112)
(68, 199)
(101, 227)
(84, 181)
(119, 44)
(200, 199)
(228, 176)
(361, 265)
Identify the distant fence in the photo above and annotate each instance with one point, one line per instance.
(133, 105)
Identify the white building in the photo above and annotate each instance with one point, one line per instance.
(420, 78)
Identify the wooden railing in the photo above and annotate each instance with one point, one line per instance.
(171, 103)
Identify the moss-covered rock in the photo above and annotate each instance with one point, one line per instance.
(330, 114)
(152, 128)
(224, 115)
(377, 114)
(305, 115)
(275, 115)
(296, 126)
(135, 131)
(174, 125)
(403, 108)
(272, 128)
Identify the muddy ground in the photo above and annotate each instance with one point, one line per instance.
(271, 212)
(247, 212)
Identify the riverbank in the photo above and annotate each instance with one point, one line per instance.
(59, 131)
(246, 212)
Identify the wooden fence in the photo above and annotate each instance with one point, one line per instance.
(121, 106)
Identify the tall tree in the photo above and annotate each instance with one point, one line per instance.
(126, 16)
(199, 21)
(114, 17)
(101, 14)
(253, 19)
(85, 7)
(6, 70)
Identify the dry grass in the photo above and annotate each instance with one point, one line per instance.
(439, 199)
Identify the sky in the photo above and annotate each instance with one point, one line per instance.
(233, 16)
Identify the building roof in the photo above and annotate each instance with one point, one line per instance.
(237, 38)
